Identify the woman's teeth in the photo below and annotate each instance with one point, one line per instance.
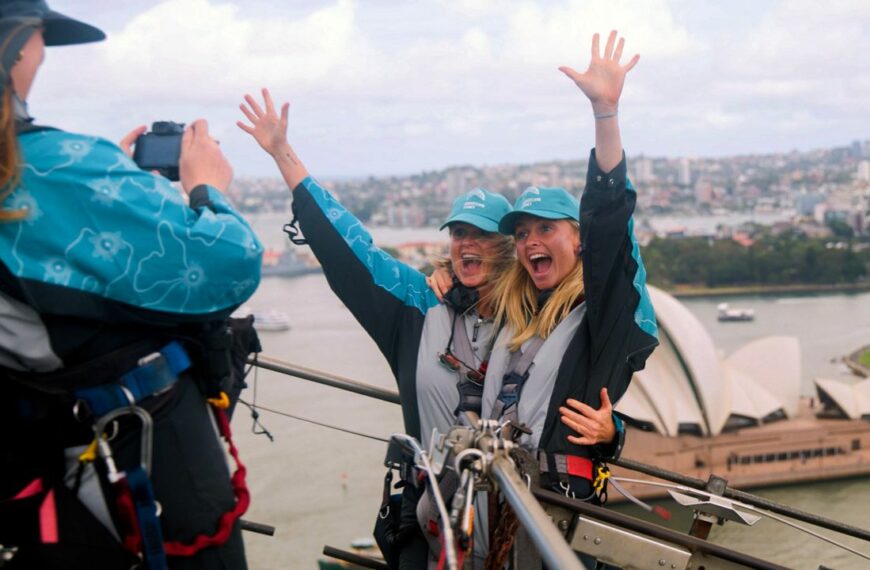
(540, 262)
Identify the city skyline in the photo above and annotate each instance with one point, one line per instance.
(390, 88)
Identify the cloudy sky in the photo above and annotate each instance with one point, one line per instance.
(395, 87)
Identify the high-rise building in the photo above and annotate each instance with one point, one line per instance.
(684, 177)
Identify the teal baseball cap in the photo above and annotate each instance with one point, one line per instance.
(552, 203)
(480, 208)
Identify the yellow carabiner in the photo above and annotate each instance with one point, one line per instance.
(90, 453)
(602, 476)
(222, 402)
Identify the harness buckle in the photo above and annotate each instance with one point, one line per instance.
(146, 443)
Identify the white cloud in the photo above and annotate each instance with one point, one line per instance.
(559, 33)
(467, 78)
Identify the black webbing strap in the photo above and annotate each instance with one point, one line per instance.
(507, 403)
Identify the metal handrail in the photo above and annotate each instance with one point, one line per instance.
(385, 395)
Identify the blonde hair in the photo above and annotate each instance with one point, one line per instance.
(10, 169)
(516, 302)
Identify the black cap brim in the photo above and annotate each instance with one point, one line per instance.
(60, 30)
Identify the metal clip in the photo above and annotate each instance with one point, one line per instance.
(146, 443)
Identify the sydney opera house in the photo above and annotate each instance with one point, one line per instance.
(740, 415)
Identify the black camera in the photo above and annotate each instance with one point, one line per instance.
(159, 150)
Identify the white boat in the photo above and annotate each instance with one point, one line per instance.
(726, 313)
(271, 320)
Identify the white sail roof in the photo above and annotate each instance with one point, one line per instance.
(687, 386)
(698, 355)
(775, 362)
(852, 399)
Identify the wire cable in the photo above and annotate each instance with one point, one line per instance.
(317, 423)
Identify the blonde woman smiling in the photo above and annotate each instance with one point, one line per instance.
(575, 314)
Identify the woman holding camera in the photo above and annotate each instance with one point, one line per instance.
(110, 283)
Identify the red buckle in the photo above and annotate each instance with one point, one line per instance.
(579, 467)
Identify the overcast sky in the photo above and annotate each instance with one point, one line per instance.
(395, 87)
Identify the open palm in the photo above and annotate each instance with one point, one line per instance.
(603, 80)
(267, 127)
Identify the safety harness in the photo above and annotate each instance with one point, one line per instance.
(137, 510)
(459, 357)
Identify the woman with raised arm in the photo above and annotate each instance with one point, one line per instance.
(577, 321)
(437, 351)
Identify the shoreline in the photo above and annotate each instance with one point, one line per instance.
(744, 290)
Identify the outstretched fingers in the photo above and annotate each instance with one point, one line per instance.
(608, 49)
(248, 113)
(255, 107)
(627, 67)
(618, 53)
(244, 127)
(596, 51)
(571, 73)
(267, 99)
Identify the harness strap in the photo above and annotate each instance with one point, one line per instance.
(156, 372)
(146, 515)
(561, 464)
(470, 389)
(521, 361)
(229, 518)
(461, 344)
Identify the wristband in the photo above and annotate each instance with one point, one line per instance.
(605, 116)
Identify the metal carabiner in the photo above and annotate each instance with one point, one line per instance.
(147, 437)
(567, 488)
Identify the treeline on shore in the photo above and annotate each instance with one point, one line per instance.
(772, 260)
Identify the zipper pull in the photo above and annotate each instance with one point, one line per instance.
(477, 324)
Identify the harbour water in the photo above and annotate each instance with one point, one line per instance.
(319, 486)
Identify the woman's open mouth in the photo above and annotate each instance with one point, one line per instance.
(471, 264)
(540, 263)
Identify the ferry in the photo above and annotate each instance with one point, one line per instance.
(286, 263)
(727, 314)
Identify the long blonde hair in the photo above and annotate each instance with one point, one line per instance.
(516, 302)
(10, 169)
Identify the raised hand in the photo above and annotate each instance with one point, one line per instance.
(267, 128)
(603, 80)
(592, 426)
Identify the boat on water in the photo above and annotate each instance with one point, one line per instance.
(286, 263)
(728, 314)
(269, 320)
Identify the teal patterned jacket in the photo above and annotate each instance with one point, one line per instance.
(109, 253)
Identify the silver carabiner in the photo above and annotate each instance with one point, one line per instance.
(567, 488)
(147, 437)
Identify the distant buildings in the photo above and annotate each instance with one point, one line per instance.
(821, 185)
